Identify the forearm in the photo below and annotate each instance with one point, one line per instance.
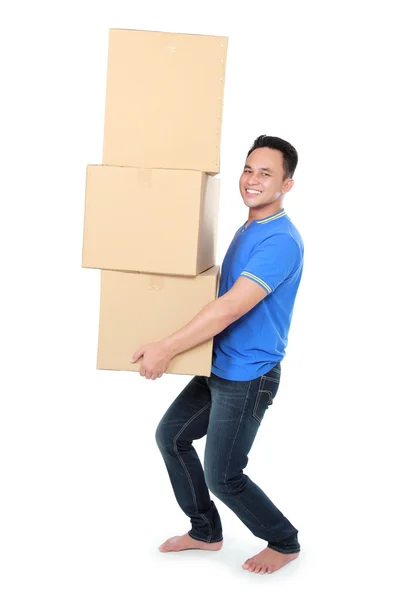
(212, 319)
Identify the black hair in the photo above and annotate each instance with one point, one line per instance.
(290, 156)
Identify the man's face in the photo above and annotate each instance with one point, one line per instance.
(262, 181)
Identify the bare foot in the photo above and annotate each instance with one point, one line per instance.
(185, 542)
(268, 561)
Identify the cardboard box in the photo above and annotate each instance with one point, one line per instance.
(150, 220)
(164, 100)
(137, 308)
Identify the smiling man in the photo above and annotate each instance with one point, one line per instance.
(249, 322)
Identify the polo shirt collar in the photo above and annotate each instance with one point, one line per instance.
(277, 215)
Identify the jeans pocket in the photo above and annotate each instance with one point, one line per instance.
(267, 391)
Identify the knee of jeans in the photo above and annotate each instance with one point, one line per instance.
(214, 480)
(220, 485)
(163, 437)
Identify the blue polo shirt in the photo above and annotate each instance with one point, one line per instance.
(270, 252)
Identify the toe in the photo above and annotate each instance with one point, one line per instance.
(246, 564)
(168, 544)
(257, 569)
(263, 570)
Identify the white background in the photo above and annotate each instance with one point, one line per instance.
(85, 497)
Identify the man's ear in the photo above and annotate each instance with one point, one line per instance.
(287, 186)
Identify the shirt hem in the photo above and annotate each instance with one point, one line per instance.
(239, 375)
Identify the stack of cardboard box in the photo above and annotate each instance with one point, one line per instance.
(151, 210)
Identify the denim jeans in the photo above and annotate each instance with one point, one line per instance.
(230, 413)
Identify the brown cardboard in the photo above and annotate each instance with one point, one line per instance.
(164, 100)
(138, 308)
(150, 220)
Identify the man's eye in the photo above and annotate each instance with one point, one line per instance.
(266, 174)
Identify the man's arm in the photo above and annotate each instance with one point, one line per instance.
(212, 319)
(217, 315)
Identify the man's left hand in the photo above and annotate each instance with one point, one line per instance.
(156, 359)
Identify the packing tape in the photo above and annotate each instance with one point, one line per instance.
(144, 177)
(156, 282)
(170, 42)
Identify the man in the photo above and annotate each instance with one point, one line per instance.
(249, 322)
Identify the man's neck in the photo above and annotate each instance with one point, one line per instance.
(268, 211)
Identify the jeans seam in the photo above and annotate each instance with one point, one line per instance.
(258, 402)
(237, 432)
(248, 511)
(200, 540)
(282, 551)
(209, 526)
(181, 459)
(230, 454)
(271, 379)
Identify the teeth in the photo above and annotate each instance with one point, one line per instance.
(253, 192)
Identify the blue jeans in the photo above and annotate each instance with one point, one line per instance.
(230, 413)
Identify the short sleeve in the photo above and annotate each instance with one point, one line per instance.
(273, 261)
